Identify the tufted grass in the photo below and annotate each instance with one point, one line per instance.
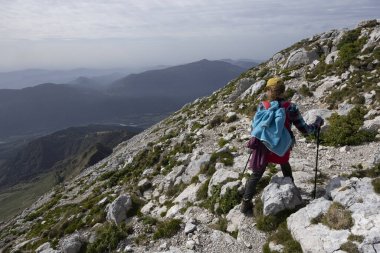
(376, 185)
(349, 247)
(284, 237)
(167, 229)
(338, 217)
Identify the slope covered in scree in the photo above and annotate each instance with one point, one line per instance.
(176, 187)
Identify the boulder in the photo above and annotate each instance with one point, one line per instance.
(144, 184)
(372, 125)
(344, 108)
(173, 211)
(376, 157)
(190, 227)
(189, 194)
(71, 244)
(331, 57)
(242, 85)
(228, 186)
(176, 172)
(219, 177)
(325, 85)
(311, 115)
(315, 237)
(279, 195)
(253, 89)
(117, 210)
(300, 57)
(276, 59)
(194, 167)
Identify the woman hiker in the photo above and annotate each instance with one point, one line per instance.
(278, 154)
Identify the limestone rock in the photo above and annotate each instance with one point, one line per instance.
(190, 228)
(279, 195)
(71, 244)
(117, 210)
(332, 57)
(194, 167)
(253, 89)
(311, 115)
(199, 214)
(372, 125)
(315, 238)
(144, 184)
(219, 177)
(242, 85)
(299, 57)
(228, 186)
(189, 194)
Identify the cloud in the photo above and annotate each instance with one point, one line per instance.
(40, 33)
(94, 19)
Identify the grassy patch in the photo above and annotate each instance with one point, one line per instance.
(344, 130)
(202, 191)
(222, 142)
(357, 238)
(108, 237)
(284, 237)
(376, 185)
(270, 222)
(349, 247)
(167, 229)
(305, 91)
(360, 173)
(230, 199)
(19, 197)
(175, 190)
(337, 217)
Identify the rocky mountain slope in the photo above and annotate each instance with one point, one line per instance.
(176, 187)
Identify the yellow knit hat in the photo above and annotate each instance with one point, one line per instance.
(274, 81)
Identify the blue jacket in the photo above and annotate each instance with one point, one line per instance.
(269, 127)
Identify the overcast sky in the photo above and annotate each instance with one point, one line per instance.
(65, 34)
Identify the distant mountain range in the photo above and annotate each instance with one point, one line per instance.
(144, 97)
(187, 81)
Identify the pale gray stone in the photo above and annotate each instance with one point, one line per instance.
(242, 85)
(173, 211)
(372, 125)
(189, 194)
(332, 57)
(190, 228)
(253, 89)
(219, 177)
(276, 247)
(194, 167)
(71, 244)
(190, 244)
(279, 195)
(43, 247)
(311, 115)
(299, 57)
(144, 184)
(117, 210)
(318, 237)
(228, 186)
(147, 207)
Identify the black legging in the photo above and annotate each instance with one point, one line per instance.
(250, 186)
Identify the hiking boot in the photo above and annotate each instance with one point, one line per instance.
(246, 206)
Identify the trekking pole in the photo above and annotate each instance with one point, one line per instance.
(247, 162)
(316, 164)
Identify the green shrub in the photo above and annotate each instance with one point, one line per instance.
(349, 247)
(284, 237)
(289, 93)
(349, 48)
(228, 201)
(216, 121)
(167, 229)
(108, 237)
(360, 173)
(337, 217)
(376, 185)
(305, 91)
(344, 130)
(202, 191)
(222, 142)
(358, 238)
(175, 190)
(224, 157)
(196, 126)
